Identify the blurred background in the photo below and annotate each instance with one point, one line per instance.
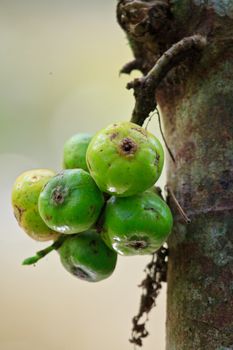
(58, 76)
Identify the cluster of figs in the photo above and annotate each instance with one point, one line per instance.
(103, 203)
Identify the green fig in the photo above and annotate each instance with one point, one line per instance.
(70, 202)
(125, 159)
(137, 225)
(74, 153)
(87, 257)
(25, 194)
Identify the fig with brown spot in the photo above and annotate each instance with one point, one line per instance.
(25, 194)
(137, 225)
(125, 159)
(87, 257)
(71, 202)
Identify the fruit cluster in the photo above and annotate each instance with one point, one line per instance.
(104, 201)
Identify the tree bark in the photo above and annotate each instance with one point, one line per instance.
(196, 102)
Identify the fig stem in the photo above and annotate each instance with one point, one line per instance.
(42, 253)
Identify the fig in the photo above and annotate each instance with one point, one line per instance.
(136, 225)
(25, 194)
(125, 159)
(87, 257)
(74, 153)
(70, 202)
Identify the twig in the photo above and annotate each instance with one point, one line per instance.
(136, 64)
(180, 209)
(42, 253)
(145, 87)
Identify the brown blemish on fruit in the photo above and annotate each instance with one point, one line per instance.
(114, 135)
(142, 131)
(157, 158)
(127, 146)
(137, 244)
(80, 273)
(59, 194)
(150, 209)
(18, 212)
(154, 211)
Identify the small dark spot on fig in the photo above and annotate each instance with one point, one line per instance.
(59, 194)
(157, 158)
(128, 146)
(142, 131)
(80, 273)
(114, 135)
(48, 217)
(150, 209)
(137, 244)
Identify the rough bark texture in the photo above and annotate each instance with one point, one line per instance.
(196, 102)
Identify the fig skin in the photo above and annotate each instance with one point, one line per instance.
(74, 152)
(137, 225)
(87, 257)
(71, 202)
(124, 159)
(25, 194)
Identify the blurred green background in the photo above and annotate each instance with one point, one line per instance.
(59, 76)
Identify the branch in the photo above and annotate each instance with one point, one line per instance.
(145, 87)
(136, 64)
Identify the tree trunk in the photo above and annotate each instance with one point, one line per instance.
(196, 102)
